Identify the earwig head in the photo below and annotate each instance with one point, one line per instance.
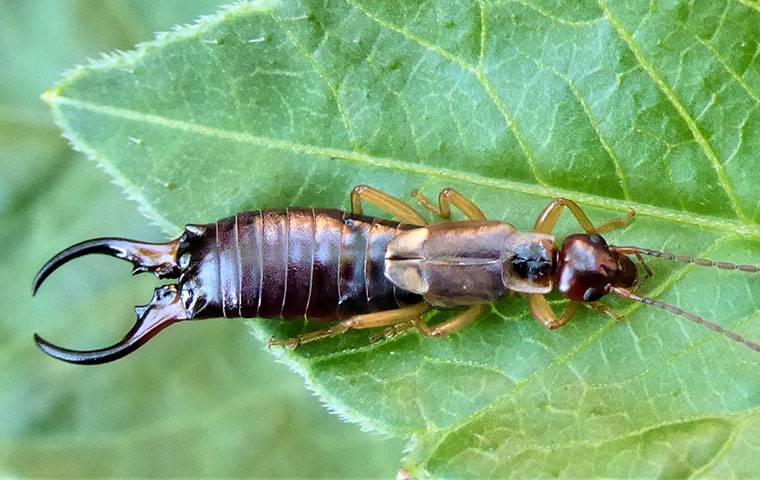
(587, 268)
(183, 258)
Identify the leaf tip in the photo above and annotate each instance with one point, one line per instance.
(49, 96)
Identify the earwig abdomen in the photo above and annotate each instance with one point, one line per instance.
(293, 263)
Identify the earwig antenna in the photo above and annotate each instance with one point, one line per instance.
(703, 262)
(621, 292)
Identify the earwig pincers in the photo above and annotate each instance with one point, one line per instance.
(369, 272)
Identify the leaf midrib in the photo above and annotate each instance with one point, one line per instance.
(661, 213)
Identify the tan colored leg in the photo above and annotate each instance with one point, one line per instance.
(545, 315)
(392, 331)
(454, 325)
(446, 198)
(548, 218)
(369, 320)
(385, 202)
(605, 309)
(644, 266)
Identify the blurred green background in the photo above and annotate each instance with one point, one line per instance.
(203, 401)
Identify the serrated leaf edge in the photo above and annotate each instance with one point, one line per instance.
(332, 404)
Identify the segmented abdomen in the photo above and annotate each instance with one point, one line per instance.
(306, 262)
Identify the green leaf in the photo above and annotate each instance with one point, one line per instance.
(169, 414)
(620, 105)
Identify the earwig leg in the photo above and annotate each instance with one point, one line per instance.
(644, 266)
(615, 223)
(454, 325)
(370, 320)
(391, 332)
(605, 309)
(385, 202)
(647, 272)
(449, 195)
(548, 218)
(545, 315)
(446, 198)
(425, 203)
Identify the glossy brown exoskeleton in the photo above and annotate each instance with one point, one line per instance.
(368, 272)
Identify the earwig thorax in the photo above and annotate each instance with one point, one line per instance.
(529, 260)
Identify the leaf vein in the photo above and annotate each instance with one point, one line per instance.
(720, 454)
(323, 75)
(414, 38)
(637, 433)
(735, 75)
(554, 18)
(483, 32)
(750, 4)
(565, 359)
(527, 151)
(702, 221)
(682, 111)
(479, 74)
(619, 171)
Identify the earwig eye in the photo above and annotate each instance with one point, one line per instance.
(592, 294)
(597, 239)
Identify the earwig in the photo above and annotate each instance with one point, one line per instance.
(369, 272)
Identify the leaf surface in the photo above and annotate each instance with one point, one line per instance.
(171, 414)
(620, 105)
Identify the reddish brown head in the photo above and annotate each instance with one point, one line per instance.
(587, 268)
